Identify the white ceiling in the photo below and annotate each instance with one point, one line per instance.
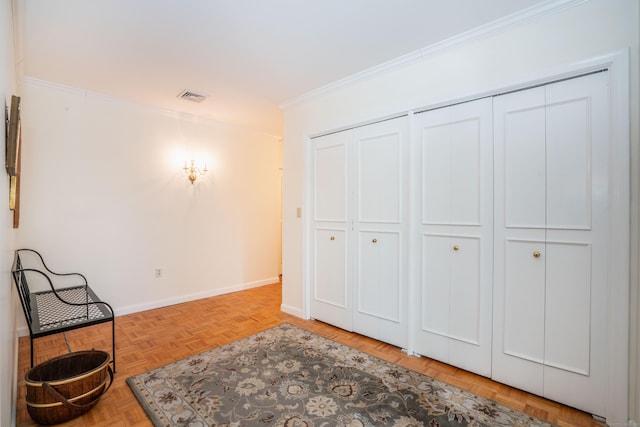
(249, 56)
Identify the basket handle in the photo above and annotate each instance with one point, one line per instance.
(70, 405)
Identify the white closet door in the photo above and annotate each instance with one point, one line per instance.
(331, 299)
(552, 246)
(454, 145)
(519, 217)
(578, 206)
(380, 297)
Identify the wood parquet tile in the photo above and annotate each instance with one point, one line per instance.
(153, 338)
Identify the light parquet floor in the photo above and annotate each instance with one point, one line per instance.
(152, 338)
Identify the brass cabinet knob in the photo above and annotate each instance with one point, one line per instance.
(332, 238)
(374, 241)
(536, 254)
(456, 247)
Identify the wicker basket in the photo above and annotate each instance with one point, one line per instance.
(67, 386)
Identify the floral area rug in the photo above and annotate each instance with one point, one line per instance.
(289, 377)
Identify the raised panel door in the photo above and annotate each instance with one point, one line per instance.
(578, 247)
(520, 236)
(331, 299)
(381, 183)
(454, 148)
(551, 248)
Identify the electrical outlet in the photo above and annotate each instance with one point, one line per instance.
(158, 273)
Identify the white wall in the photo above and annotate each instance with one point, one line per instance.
(8, 350)
(104, 193)
(517, 54)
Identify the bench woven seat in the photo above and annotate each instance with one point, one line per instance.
(55, 314)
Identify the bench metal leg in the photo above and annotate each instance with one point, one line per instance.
(113, 342)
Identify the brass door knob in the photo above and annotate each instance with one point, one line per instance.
(332, 238)
(456, 247)
(536, 254)
(374, 241)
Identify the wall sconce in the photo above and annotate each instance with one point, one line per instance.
(193, 171)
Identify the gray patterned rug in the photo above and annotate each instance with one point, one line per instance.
(289, 377)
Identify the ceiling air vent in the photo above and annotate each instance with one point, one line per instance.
(191, 95)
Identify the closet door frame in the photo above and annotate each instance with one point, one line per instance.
(617, 63)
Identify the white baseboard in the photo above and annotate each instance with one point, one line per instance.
(294, 311)
(192, 297)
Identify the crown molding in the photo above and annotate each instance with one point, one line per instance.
(495, 27)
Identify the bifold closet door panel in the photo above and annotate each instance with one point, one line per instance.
(578, 249)
(551, 241)
(331, 299)
(380, 226)
(519, 218)
(453, 146)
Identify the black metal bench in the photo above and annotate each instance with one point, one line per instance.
(65, 301)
